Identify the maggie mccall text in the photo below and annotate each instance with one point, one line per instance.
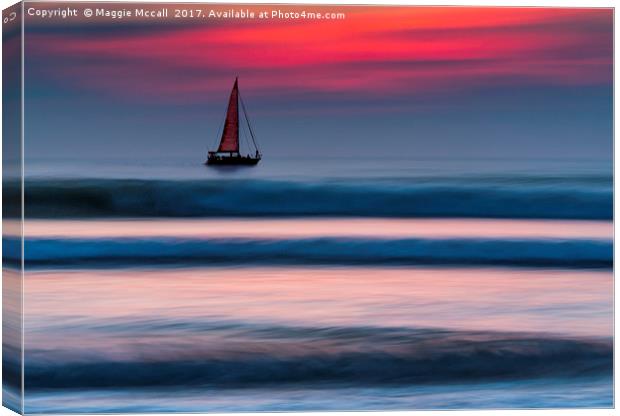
(123, 13)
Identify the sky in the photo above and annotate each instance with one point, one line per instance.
(453, 82)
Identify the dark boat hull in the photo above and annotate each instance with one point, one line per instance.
(232, 161)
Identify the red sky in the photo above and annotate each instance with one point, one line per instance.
(373, 51)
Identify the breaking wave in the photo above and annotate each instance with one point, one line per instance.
(330, 251)
(576, 199)
(352, 355)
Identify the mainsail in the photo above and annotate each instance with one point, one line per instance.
(230, 135)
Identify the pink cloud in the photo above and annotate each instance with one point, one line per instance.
(373, 51)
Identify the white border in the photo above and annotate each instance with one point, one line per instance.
(502, 3)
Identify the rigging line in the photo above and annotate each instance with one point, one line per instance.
(245, 113)
(245, 137)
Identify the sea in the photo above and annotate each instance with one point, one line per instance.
(315, 284)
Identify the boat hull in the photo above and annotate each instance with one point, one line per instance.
(232, 161)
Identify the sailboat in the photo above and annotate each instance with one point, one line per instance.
(227, 153)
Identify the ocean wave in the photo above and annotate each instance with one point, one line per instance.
(289, 355)
(308, 251)
(526, 198)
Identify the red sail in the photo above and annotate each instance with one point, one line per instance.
(230, 136)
